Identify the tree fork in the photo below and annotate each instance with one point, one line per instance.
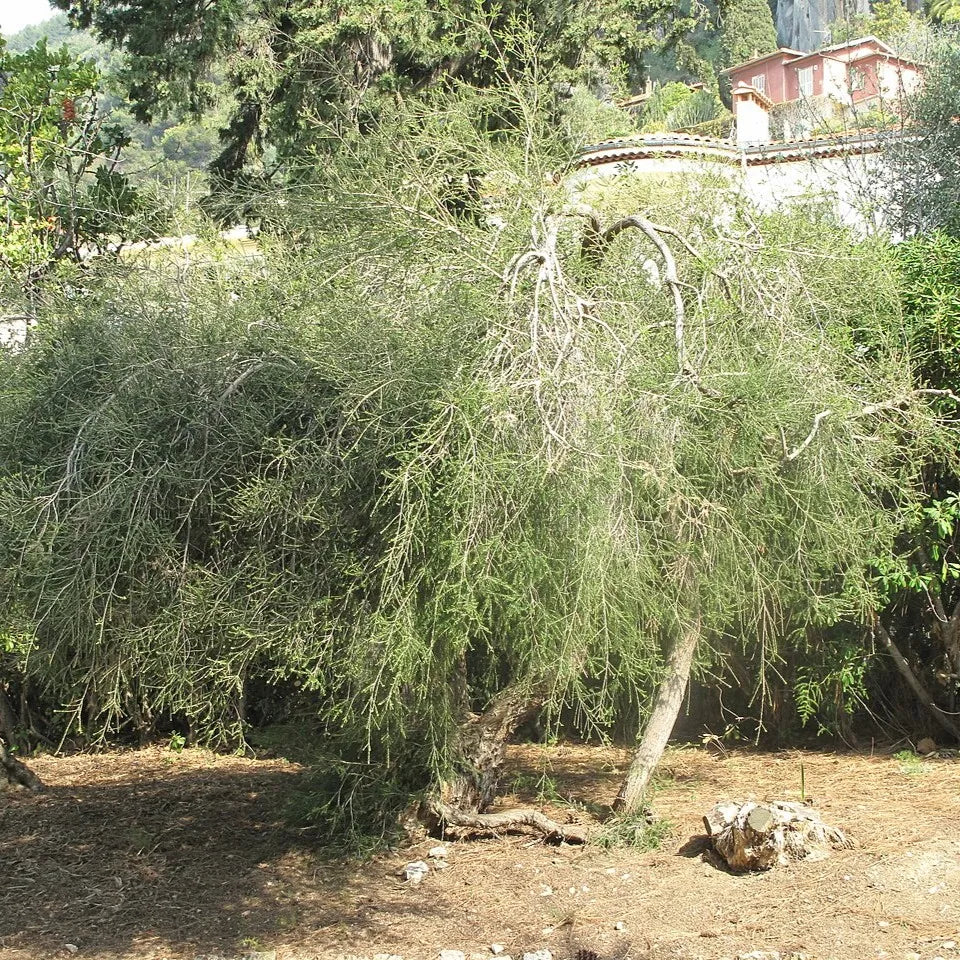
(460, 803)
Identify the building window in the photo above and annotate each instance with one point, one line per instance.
(857, 79)
(759, 82)
(805, 81)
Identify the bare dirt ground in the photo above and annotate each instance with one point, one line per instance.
(153, 854)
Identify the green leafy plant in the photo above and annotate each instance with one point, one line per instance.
(639, 832)
(910, 763)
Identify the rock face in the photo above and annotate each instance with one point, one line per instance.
(757, 836)
(805, 24)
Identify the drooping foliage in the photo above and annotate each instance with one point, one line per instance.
(426, 451)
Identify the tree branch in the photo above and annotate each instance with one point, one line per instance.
(920, 691)
(506, 820)
(795, 452)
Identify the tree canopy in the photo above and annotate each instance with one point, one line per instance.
(302, 75)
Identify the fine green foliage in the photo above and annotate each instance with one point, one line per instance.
(910, 763)
(443, 441)
(639, 832)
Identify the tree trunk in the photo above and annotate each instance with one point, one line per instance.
(919, 690)
(14, 774)
(460, 803)
(666, 708)
(482, 747)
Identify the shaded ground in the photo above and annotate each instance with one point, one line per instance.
(157, 854)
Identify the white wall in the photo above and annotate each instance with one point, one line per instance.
(14, 331)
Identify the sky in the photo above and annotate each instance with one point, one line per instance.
(17, 14)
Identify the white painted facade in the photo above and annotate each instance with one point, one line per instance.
(849, 175)
(15, 331)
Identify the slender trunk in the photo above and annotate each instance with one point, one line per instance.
(920, 691)
(666, 708)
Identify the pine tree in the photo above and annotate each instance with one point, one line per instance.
(747, 31)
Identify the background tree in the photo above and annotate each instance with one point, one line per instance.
(925, 170)
(746, 31)
(60, 189)
(302, 75)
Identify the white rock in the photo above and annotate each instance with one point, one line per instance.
(437, 853)
(415, 871)
(912, 956)
(538, 955)
(496, 949)
(546, 891)
(948, 945)
(451, 955)
(619, 925)
(884, 924)
(70, 947)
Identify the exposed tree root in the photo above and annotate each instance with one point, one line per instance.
(505, 821)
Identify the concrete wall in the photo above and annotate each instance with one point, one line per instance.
(852, 186)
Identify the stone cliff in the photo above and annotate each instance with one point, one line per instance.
(805, 24)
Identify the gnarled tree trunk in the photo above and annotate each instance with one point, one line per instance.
(12, 772)
(15, 774)
(461, 803)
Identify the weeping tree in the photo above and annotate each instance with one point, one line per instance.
(464, 446)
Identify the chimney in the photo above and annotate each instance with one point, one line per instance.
(751, 110)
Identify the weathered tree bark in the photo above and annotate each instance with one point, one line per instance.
(756, 836)
(461, 802)
(666, 708)
(14, 773)
(482, 746)
(913, 681)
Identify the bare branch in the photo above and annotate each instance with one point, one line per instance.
(795, 452)
(670, 277)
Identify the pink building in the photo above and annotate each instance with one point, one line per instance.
(848, 73)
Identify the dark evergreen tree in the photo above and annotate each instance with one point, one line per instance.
(304, 74)
(747, 31)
